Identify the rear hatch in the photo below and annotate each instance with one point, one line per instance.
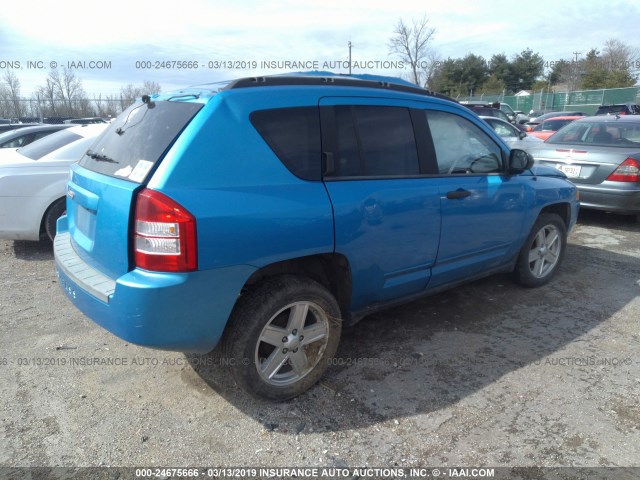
(103, 186)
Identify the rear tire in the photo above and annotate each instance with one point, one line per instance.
(281, 337)
(542, 252)
(54, 212)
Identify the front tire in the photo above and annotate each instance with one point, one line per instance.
(281, 337)
(542, 252)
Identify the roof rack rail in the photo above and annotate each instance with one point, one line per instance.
(311, 80)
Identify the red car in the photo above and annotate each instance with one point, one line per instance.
(551, 126)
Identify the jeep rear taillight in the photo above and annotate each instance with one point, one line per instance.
(627, 171)
(164, 236)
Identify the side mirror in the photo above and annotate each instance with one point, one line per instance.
(522, 135)
(519, 161)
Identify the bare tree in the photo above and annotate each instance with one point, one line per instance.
(619, 56)
(411, 43)
(11, 85)
(433, 61)
(150, 87)
(63, 94)
(106, 107)
(47, 93)
(130, 93)
(68, 89)
(5, 103)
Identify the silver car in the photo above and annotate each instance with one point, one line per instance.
(601, 155)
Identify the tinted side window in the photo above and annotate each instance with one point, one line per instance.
(348, 154)
(19, 141)
(375, 141)
(294, 136)
(461, 147)
(39, 135)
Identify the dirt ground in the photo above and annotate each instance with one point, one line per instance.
(489, 374)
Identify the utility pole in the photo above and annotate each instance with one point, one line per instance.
(349, 57)
(574, 79)
(40, 117)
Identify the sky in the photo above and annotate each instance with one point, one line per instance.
(112, 43)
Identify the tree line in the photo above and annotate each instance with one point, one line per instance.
(611, 66)
(63, 96)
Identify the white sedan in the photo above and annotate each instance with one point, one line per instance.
(33, 182)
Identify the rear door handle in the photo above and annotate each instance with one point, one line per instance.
(458, 194)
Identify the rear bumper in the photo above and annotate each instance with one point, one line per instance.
(185, 312)
(610, 199)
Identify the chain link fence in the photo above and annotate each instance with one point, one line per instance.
(586, 101)
(57, 111)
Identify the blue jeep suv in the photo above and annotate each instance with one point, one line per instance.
(266, 213)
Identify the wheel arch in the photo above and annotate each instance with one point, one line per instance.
(51, 204)
(331, 270)
(563, 210)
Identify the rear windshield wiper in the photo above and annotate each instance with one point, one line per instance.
(99, 157)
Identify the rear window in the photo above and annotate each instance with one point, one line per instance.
(48, 144)
(611, 134)
(612, 109)
(73, 151)
(554, 125)
(139, 138)
(294, 136)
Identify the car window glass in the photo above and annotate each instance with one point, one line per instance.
(599, 133)
(48, 144)
(502, 115)
(17, 142)
(613, 109)
(348, 162)
(503, 130)
(461, 147)
(375, 141)
(39, 135)
(294, 136)
(74, 151)
(553, 125)
(138, 138)
(6, 135)
(629, 132)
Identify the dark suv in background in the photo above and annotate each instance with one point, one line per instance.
(488, 111)
(619, 109)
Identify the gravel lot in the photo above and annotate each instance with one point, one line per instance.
(489, 374)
